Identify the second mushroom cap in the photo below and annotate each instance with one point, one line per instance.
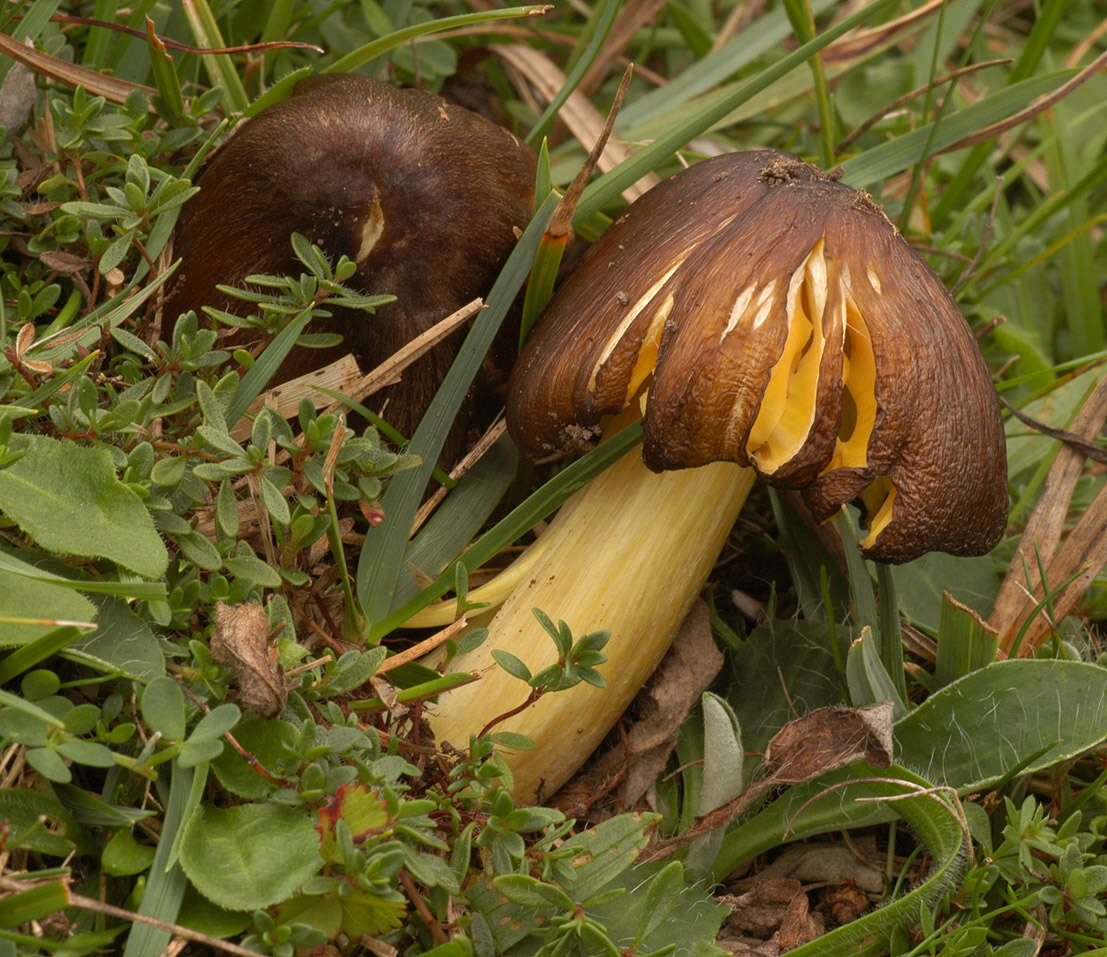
(777, 319)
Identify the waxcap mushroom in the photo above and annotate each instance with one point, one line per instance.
(423, 195)
(777, 319)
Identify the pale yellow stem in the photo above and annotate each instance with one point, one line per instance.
(492, 593)
(628, 553)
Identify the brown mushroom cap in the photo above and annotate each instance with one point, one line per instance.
(423, 195)
(778, 320)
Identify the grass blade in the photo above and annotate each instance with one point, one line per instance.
(608, 187)
(362, 55)
(382, 554)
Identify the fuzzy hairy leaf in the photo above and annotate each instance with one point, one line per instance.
(249, 856)
(68, 499)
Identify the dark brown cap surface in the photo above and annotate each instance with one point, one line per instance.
(777, 319)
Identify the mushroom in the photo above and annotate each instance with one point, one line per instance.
(770, 322)
(423, 195)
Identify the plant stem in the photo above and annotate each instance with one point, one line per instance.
(628, 553)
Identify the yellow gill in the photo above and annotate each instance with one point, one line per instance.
(787, 410)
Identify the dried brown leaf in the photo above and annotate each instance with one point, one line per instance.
(760, 910)
(799, 925)
(241, 642)
(829, 738)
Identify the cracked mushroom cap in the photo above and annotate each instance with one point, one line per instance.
(777, 319)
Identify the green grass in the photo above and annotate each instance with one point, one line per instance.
(164, 561)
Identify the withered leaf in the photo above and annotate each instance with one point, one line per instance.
(241, 642)
(760, 910)
(799, 925)
(62, 261)
(829, 738)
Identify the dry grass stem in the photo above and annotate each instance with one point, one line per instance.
(899, 101)
(474, 455)
(1038, 106)
(1042, 534)
(424, 647)
(342, 375)
(863, 42)
(100, 84)
(389, 370)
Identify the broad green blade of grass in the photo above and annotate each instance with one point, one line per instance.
(130, 589)
(458, 519)
(1080, 287)
(34, 652)
(519, 521)
(220, 66)
(382, 554)
(880, 162)
(607, 188)
(165, 76)
(1042, 32)
(166, 883)
(1050, 206)
(965, 643)
(762, 36)
(258, 375)
(382, 45)
(802, 18)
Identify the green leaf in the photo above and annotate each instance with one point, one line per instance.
(602, 853)
(194, 753)
(124, 641)
(721, 780)
(937, 824)
(965, 642)
(166, 883)
(163, 707)
(511, 664)
(531, 892)
(868, 679)
(216, 722)
(722, 754)
(272, 743)
(49, 764)
(22, 597)
(67, 498)
(90, 753)
(787, 661)
(124, 856)
(274, 501)
(661, 908)
(920, 584)
(39, 822)
(249, 856)
(973, 732)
